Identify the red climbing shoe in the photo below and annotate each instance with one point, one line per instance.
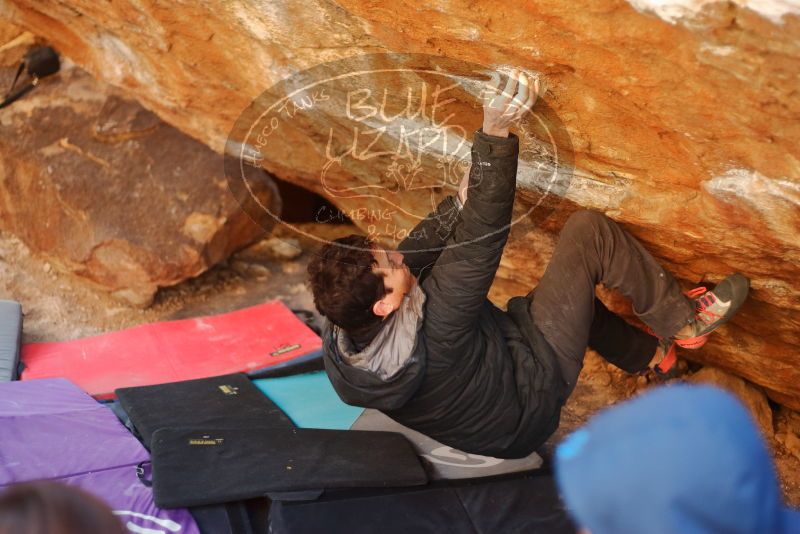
(714, 308)
(668, 360)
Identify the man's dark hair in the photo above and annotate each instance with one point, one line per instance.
(345, 287)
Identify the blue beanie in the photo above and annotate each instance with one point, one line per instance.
(679, 459)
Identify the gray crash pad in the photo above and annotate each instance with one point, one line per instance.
(10, 339)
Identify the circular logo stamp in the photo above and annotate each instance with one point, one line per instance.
(385, 137)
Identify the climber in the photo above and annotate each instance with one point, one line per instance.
(682, 459)
(410, 332)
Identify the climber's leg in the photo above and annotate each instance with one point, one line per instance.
(619, 342)
(593, 249)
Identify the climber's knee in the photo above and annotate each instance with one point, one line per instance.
(584, 223)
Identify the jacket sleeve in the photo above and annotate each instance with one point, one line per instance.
(423, 245)
(460, 280)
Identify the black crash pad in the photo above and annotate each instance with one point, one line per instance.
(196, 466)
(217, 402)
(524, 504)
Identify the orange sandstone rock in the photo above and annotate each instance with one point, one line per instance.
(681, 120)
(108, 191)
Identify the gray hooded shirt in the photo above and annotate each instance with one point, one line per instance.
(393, 348)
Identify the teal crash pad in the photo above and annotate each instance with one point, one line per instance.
(310, 401)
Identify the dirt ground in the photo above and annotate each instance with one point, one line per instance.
(60, 306)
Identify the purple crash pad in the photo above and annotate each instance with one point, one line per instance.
(133, 502)
(53, 430)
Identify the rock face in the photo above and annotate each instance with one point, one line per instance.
(678, 119)
(108, 191)
(788, 431)
(14, 41)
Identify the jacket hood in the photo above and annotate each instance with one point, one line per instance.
(678, 459)
(388, 371)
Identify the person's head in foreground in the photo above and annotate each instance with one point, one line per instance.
(679, 459)
(54, 508)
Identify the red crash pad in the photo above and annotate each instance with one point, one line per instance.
(249, 340)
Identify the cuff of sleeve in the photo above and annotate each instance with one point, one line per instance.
(489, 145)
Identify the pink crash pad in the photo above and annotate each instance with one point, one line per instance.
(250, 340)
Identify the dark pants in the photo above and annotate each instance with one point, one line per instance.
(593, 249)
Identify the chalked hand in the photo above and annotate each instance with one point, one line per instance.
(502, 108)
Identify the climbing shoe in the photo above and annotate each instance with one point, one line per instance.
(713, 308)
(668, 357)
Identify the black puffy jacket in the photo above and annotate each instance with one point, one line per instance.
(478, 379)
